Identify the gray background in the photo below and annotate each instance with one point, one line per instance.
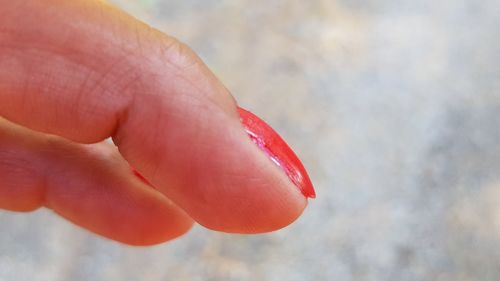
(393, 107)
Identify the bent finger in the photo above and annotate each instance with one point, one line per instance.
(91, 185)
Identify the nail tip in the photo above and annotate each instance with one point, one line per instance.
(308, 191)
(311, 195)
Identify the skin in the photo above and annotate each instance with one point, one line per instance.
(74, 73)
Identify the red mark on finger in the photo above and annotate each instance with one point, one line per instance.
(268, 140)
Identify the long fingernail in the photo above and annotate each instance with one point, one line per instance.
(268, 140)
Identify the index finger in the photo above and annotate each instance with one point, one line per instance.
(86, 71)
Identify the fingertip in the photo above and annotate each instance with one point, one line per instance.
(260, 196)
(150, 226)
(206, 163)
(260, 212)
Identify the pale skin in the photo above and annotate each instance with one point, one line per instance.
(74, 73)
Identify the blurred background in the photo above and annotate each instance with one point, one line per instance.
(394, 108)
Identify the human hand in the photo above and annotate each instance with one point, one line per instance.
(74, 73)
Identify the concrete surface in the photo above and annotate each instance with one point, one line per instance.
(393, 107)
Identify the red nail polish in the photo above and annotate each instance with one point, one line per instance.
(141, 177)
(277, 150)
